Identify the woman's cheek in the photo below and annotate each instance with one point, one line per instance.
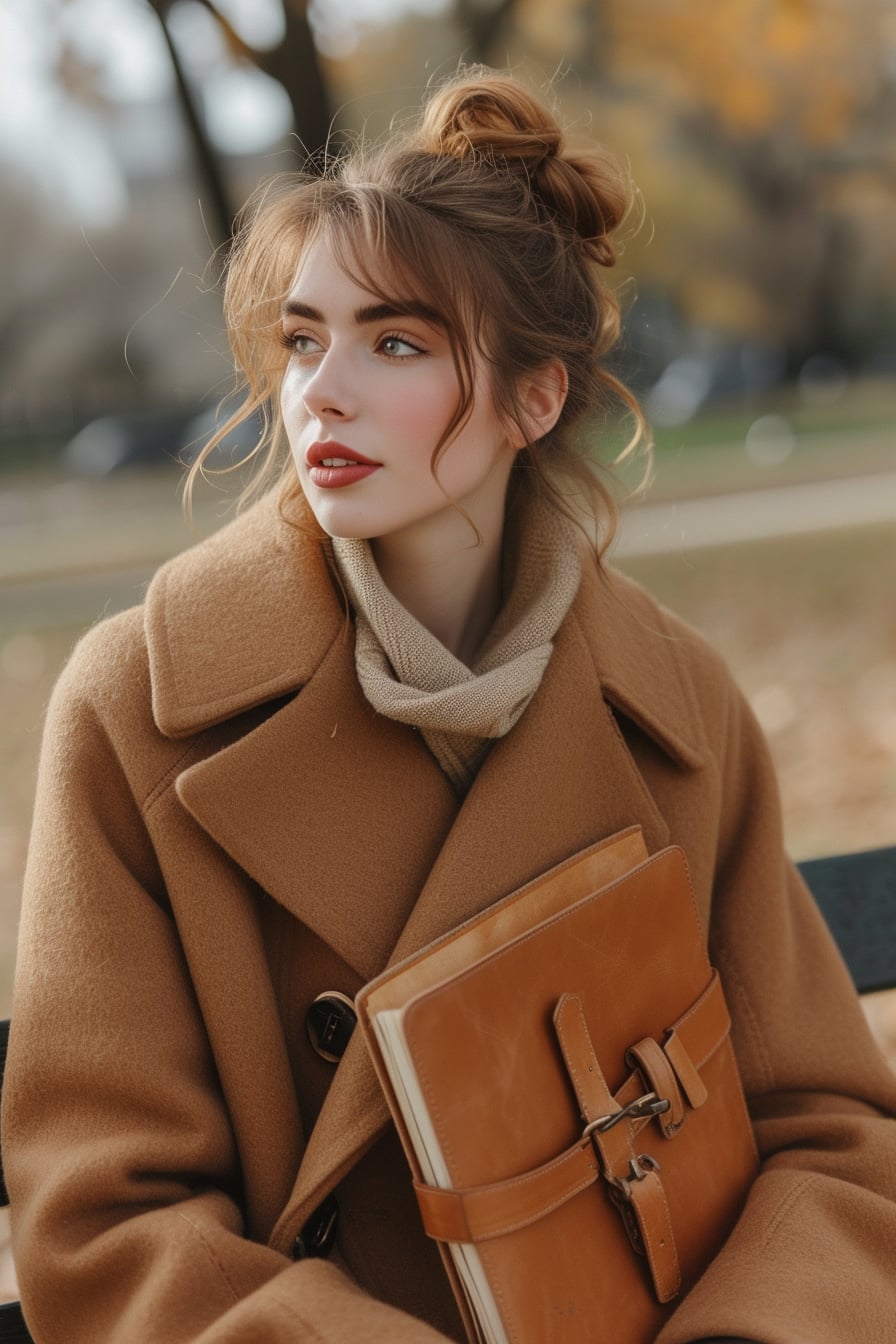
(292, 406)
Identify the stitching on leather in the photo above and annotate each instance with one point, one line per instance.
(695, 1007)
(528, 1177)
(742, 1102)
(573, 1072)
(650, 1245)
(585, 1184)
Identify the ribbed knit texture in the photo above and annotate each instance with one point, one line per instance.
(407, 674)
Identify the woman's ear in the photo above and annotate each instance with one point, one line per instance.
(542, 397)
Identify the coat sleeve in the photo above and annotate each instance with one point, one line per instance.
(813, 1256)
(119, 1156)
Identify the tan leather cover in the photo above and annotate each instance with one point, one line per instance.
(628, 957)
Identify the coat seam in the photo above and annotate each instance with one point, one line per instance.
(170, 774)
(733, 979)
(782, 1208)
(209, 1250)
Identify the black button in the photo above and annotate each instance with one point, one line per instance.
(330, 1022)
(319, 1233)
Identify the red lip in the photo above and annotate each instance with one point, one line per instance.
(318, 452)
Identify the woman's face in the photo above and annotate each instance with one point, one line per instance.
(368, 391)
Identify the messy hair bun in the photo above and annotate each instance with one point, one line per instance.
(499, 121)
(485, 215)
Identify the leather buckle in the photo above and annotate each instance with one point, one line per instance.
(642, 1108)
(638, 1168)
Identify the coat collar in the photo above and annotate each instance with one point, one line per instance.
(249, 614)
(244, 617)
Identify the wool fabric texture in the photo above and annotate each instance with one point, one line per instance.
(407, 674)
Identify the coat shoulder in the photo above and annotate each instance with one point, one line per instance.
(100, 717)
(107, 667)
(656, 664)
(666, 627)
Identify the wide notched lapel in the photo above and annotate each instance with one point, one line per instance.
(337, 812)
(560, 780)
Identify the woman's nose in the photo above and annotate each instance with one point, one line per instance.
(327, 393)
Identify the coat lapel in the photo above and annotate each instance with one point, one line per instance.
(560, 780)
(337, 812)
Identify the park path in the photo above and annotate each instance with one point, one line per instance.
(757, 515)
(90, 550)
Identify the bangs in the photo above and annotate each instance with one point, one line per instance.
(401, 256)
(380, 252)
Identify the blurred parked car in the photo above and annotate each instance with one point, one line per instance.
(236, 445)
(155, 439)
(130, 439)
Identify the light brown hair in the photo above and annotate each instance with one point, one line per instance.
(483, 214)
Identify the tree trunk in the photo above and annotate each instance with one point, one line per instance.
(220, 211)
(295, 65)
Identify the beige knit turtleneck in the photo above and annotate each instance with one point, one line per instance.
(407, 674)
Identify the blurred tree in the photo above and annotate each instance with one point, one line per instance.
(220, 210)
(293, 62)
(757, 129)
(786, 101)
(760, 66)
(481, 24)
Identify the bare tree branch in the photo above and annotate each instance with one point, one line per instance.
(294, 64)
(221, 210)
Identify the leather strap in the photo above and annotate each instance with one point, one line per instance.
(634, 1181)
(687, 1046)
(697, 1036)
(658, 1073)
(491, 1210)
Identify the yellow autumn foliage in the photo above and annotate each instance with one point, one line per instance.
(755, 65)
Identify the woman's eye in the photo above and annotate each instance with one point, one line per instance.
(303, 344)
(398, 347)
(300, 342)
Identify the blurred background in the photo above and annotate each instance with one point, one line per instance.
(759, 289)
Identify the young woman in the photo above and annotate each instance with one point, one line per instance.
(404, 666)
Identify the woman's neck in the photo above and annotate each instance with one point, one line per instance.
(455, 591)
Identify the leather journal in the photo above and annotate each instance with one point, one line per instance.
(561, 1075)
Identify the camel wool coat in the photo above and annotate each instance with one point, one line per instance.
(225, 829)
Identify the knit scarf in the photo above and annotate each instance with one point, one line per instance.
(407, 674)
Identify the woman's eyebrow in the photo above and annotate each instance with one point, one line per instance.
(384, 312)
(374, 312)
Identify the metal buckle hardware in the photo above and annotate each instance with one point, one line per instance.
(640, 1109)
(638, 1168)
